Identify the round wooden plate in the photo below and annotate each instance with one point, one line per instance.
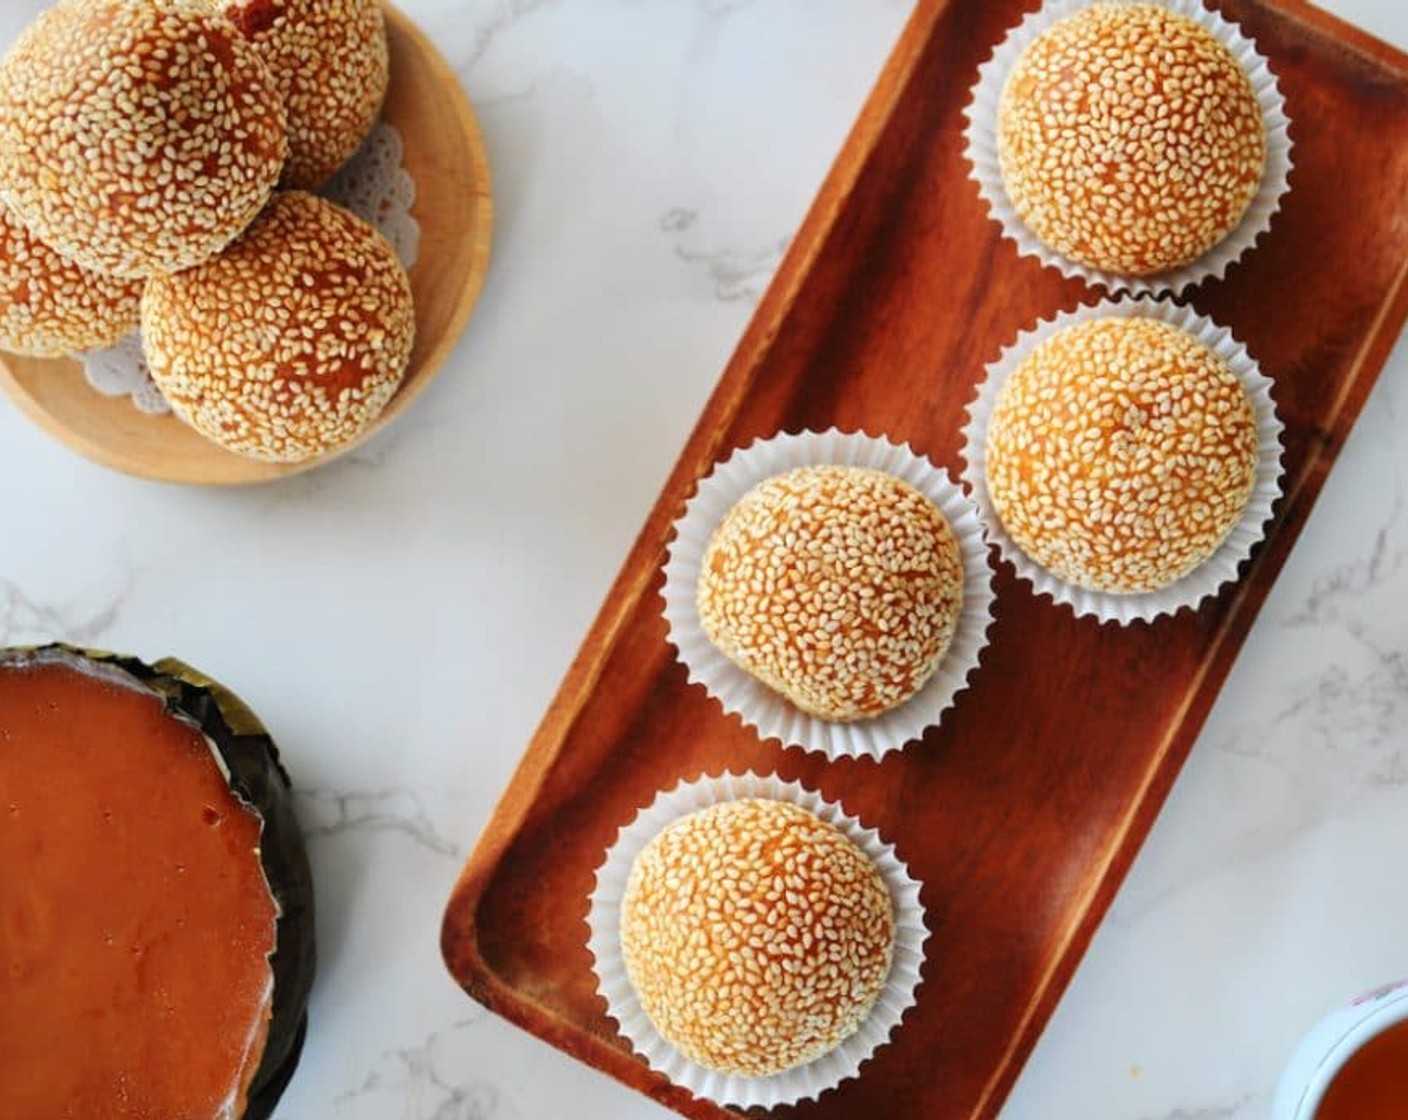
(444, 152)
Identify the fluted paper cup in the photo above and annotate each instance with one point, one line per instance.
(741, 694)
(802, 1082)
(981, 151)
(1222, 567)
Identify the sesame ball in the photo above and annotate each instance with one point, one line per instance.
(137, 136)
(1129, 139)
(838, 587)
(329, 63)
(290, 343)
(49, 306)
(1120, 454)
(756, 935)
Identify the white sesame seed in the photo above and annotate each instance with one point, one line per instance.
(737, 971)
(1120, 454)
(839, 587)
(49, 306)
(227, 344)
(105, 105)
(1129, 138)
(329, 62)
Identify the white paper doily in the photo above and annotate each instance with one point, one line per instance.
(374, 185)
(379, 190)
(120, 370)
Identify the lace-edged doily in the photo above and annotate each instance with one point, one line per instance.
(374, 186)
(121, 370)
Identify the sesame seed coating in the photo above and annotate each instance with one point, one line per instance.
(1130, 139)
(291, 342)
(756, 935)
(49, 306)
(1120, 454)
(839, 587)
(137, 136)
(329, 62)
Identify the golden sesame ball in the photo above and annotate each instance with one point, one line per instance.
(839, 587)
(137, 136)
(290, 343)
(329, 62)
(1120, 454)
(756, 935)
(49, 306)
(1129, 138)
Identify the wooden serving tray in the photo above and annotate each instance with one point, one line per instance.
(1023, 811)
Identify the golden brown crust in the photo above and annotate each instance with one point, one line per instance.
(1120, 454)
(329, 61)
(49, 306)
(839, 587)
(757, 936)
(137, 136)
(1130, 139)
(290, 343)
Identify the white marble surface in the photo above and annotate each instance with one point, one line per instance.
(652, 158)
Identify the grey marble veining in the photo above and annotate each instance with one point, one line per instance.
(324, 813)
(737, 274)
(26, 620)
(424, 1080)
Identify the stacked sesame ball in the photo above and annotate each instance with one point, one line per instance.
(142, 143)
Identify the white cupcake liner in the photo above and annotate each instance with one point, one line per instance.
(757, 705)
(1221, 567)
(803, 1082)
(981, 151)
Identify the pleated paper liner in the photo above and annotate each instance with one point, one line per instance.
(982, 151)
(1222, 567)
(755, 703)
(814, 1077)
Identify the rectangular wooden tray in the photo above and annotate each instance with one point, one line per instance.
(1022, 813)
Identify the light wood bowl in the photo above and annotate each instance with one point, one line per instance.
(444, 152)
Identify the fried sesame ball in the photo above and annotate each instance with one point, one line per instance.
(838, 587)
(1129, 138)
(329, 61)
(49, 306)
(137, 136)
(290, 343)
(756, 935)
(1120, 454)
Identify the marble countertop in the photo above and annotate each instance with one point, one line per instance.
(651, 161)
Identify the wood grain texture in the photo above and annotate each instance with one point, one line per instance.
(445, 155)
(1023, 811)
